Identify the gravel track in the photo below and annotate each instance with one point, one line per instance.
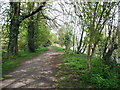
(37, 72)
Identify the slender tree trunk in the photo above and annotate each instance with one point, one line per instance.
(89, 58)
(107, 41)
(94, 47)
(119, 24)
(84, 48)
(89, 53)
(74, 41)
(80, 43)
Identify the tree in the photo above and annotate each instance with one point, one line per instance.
(61, 35)
(14, 28)
(110, 43)
(119, 23)
(65, 36)
(16, 19)
(31, 28)
(96, 28)
(94, 15)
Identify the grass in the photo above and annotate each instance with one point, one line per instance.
(73, 74)
(59, 49)
(71, 70)
(102, 76)
(15, 61)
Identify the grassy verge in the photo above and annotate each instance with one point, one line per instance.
(59, 49)
(15, 61)
(73, 74)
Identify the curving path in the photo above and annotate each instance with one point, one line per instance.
(37, 72)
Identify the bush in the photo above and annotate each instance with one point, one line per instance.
(102, 82)
(101, 76)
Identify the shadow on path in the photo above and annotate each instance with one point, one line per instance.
(38, 72)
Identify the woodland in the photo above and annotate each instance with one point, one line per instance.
(87, 33)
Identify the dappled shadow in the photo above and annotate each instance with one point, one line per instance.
(34, 73)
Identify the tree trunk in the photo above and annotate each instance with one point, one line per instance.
(74, 41)
(89, 53)
(80, 43)
(84, 48)
(89, 58)
(16, 19)
(107, 57)
(31, 27)
(13, 39)
(14, 29)
(119, 24)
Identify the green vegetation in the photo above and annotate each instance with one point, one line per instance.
(23, 37)
(73, 73)
(65, 35)
(15, 61)
(59, 49)
(102, 76)
(91, 29)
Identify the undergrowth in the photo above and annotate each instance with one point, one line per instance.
(73, 74)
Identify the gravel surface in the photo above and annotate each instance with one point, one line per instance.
(37, 72)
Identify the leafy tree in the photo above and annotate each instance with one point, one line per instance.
(96, 14)
(65, 36)
(16, 19)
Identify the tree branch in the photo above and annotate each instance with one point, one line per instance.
(34, 12)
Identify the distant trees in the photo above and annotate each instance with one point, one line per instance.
(65, 36)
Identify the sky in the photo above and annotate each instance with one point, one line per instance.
(3, 6)
(62, 17)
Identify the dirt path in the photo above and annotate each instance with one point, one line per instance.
(38, 72)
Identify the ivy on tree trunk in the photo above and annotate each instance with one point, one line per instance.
(16, 19)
